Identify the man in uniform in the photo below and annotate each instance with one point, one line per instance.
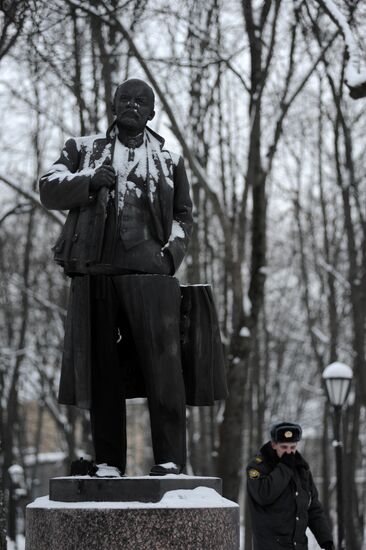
(127, 231)
(283, 500)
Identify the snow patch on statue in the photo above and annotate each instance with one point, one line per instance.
(105, 155)
(85, 144)
(152, 189)
(63, 174)
(141, 168)
(175, 158)
(176, 233)
(153, 165)
(120, 164)
(58, 168)
(158, 162)
(131, 186)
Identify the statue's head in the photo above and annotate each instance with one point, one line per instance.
(133, 105)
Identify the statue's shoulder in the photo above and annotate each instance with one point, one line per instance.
(158, 144)
(174, 156)
(87, 142)
(171, 156)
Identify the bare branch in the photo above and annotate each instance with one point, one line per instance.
(22, 97)
(13, 15)
(58, 217)
(287, 104)
(355, 78)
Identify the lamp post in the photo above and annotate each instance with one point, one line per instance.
(337, 378)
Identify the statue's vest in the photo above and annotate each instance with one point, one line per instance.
(135, 223)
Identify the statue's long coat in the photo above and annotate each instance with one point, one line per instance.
(66, 187)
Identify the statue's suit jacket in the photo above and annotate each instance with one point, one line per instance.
(66, 187)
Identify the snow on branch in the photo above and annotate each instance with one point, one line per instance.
(355, 78)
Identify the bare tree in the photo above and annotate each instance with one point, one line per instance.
(13, 14)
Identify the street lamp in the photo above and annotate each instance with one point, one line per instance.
(337, 378)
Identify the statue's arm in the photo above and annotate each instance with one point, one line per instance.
(65, 185)
(182, 216)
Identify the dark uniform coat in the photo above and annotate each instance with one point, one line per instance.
(283, 503)
(66, 187)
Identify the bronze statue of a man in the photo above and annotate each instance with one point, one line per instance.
(127, 231)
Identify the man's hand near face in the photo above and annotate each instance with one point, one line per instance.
(289, 460)
(104, 176)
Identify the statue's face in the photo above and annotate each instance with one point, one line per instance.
(134, 105)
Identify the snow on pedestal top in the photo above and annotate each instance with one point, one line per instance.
(201, 497)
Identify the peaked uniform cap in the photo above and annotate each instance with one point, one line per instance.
(286, 432)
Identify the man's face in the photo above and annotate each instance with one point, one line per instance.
(282, 448)
(134, 106)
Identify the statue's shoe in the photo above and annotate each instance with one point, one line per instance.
(82, 467)
(103, 470)
(166, 468)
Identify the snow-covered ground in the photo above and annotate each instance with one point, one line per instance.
(313, 545)
(18, 545)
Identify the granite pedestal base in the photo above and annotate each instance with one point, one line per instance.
(184, 519)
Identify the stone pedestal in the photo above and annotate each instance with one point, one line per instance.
(183, 519)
